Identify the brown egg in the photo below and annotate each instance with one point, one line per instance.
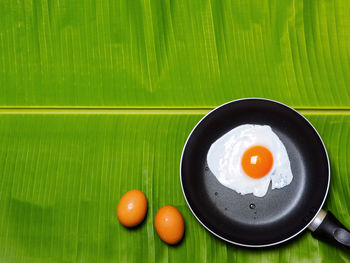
(132, 208)
(169, 224)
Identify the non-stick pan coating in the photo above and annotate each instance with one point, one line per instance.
(248, 220)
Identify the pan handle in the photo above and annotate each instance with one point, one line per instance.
(326, 227)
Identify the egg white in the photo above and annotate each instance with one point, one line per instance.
(225, 155)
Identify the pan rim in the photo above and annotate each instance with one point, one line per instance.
(268, 244)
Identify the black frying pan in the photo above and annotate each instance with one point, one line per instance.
(281, 214)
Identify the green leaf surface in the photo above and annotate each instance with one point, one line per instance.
(174, 53)
(63, 174)
(97, 97)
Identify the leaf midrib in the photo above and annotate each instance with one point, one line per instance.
(148, 110)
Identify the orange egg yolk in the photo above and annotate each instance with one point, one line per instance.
(257, 161)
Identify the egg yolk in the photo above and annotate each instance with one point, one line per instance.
(257, 161)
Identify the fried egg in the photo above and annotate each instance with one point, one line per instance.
(248, 157)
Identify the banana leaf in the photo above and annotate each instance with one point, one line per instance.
(98, 97)
(173, 52)
(63, 174)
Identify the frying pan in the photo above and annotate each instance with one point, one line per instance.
(280, 215)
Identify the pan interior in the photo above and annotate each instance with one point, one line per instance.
(246, 219)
